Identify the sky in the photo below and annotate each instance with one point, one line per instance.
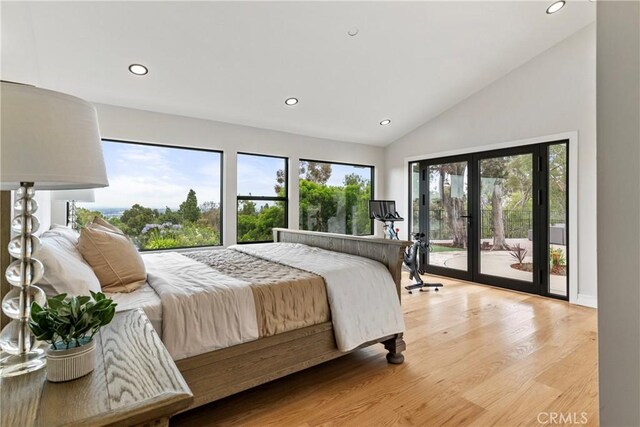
(157, 177)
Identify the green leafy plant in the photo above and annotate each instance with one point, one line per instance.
(71, 322)
(557, 257)
(518, 252)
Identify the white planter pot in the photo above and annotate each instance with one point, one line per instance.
(67, 365)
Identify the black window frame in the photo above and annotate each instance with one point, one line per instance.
(284, 199)
(373, 186)
(179, 147)
(410, 205)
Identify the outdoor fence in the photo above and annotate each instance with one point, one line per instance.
(517, 224)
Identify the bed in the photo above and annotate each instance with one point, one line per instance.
(281, 349)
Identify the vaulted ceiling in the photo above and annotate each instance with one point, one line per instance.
(237, 62)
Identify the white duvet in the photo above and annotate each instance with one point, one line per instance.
(362, 294)
(202, 309)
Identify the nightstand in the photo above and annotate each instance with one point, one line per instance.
(135, 382)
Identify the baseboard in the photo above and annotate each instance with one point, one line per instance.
(586, 300)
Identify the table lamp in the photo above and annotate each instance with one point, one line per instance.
(48, 141)
(73, 196)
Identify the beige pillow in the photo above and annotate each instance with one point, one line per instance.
(114, 258)
(102, 223)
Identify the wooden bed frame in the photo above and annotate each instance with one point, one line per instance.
(212, 376)
(217, 374)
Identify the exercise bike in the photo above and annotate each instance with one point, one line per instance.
(385, 212)
(412, 262)
(389, 221)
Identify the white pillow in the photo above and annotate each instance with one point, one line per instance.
(64, 269)
(67, 233)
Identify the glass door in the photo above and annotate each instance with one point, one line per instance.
(447, 225)
(498, 217)
(557, 225)
(506, 244)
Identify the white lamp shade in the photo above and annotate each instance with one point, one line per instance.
(87, 195)
(50, 139)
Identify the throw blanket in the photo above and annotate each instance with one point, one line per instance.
(202, 309)
(362, 295)
(285, 298)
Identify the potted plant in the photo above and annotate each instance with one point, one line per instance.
(69, 324)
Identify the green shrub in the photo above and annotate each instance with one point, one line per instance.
(556, 257)
(167, 236)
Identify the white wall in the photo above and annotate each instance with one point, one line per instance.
(619, 212)
(144, 126)
(553, 93)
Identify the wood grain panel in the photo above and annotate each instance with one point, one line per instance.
(135, 382)
(139, 367)
(221, 373)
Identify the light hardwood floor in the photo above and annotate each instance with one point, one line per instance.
(476, 355)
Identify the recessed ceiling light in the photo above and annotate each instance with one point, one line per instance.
(138, 70)
(291, 101)
(353, 32)
(385, 122)
(555, 7)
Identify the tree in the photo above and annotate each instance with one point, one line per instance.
(354, 179)
(85, 216)
(316, 172)
(210, 215)
(558, 182)
(454, 206)
(496, 168)
(257, 226)
(356, 193)
(318, 204)
(189, 208)
(137, 217)
(280, 182)
(247, 207)
(170, 216)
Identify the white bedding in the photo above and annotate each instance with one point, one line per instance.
(202, 309)
(196, 309)
(145, 298)
(362, 294)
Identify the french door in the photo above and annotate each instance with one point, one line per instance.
(496, 217)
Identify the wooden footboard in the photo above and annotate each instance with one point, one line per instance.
(212, 376)
(221, 373)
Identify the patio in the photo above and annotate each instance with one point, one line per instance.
(497, 263)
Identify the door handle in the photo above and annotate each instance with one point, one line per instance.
(466, 216)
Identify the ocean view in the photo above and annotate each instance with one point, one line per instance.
(117, 212)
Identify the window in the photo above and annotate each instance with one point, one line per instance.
(334, 197)
(262, 196)
(558, 165)
(162, 197)
(414, 197)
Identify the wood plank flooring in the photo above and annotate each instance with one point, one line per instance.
(476, 356)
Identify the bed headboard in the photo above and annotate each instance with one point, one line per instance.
(388, 252)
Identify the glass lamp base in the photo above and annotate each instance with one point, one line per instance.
(12, 365)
